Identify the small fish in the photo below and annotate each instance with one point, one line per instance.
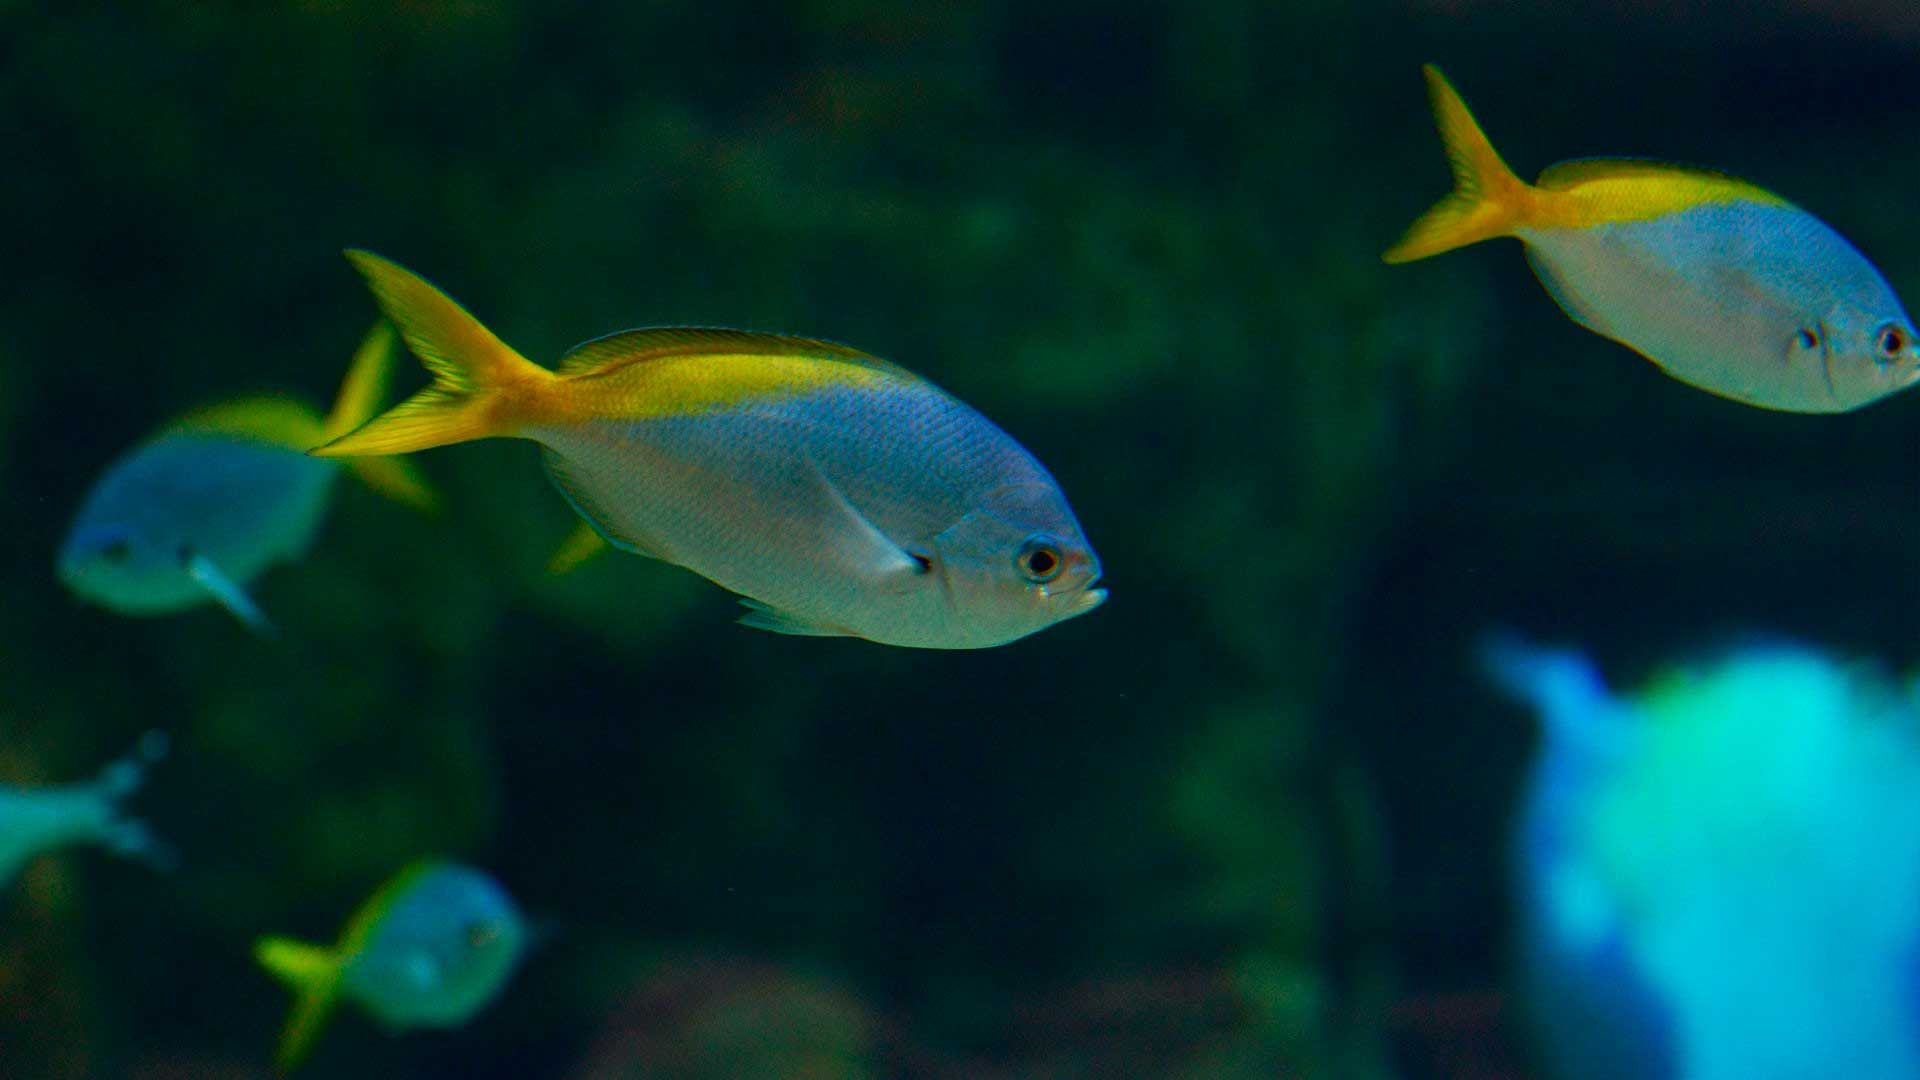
(430, 949)
(39, 819)
(1726, 286)
(203, 506)
(837, 493)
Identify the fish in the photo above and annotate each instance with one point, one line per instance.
(431, 948)
(837, 493)
(36, 820)
(1724, 285)
(1717, 871)
(195, 512)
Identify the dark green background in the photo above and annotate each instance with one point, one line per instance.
(1246, 820)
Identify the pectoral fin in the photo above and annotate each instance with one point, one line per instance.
(873, 557)
(226, 592)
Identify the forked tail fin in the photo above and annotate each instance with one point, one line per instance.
(1487, 200)
(481, 387)
(313, 973)
(360, 397)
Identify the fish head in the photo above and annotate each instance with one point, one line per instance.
(1016, 565)
(120, 566)
(441, 951)
(1869, 353)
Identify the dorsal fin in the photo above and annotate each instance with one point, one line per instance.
(276, 421)
(1710, 184)
(354, 937)
(615, 351)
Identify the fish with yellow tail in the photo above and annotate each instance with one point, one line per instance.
(431, 948)
(1726, 286)
(838, 494)
(195, 512)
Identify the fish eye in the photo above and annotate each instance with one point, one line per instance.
(1807, 339)
(1039, 561)
(1893, 341)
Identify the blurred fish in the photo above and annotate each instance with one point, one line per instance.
(430, 949)
(1728, 287)
(837, 493)
(199, 509)
(1719, 876)
(40, 819)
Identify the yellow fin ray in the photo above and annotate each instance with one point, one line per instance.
(581, 545)
(313, 973)
(481, 387)
(365, 386)
(1487, 200)
(397, 479)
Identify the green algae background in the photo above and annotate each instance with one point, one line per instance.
(1246, 820)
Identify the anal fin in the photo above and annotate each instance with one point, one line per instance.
(762, 616)
(582, 544)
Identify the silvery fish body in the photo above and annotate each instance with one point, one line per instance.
(438, 952)
(241, 504)
(197, 511)
(1757, 301)
(837, 493)
(1725, 285)
(847, 509)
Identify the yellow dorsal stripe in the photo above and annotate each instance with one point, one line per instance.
(1599, 191)
(697, 383)
(483, 389)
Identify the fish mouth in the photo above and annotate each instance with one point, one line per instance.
(1087, 598)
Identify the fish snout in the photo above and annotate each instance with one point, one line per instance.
(1909, 367)
(1076, 592)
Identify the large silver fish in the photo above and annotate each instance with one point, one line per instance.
(838, 493)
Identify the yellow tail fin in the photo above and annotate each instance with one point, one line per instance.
(365, 386)
(361, 393)
(481, 388)
(313, 973)
(1487, 199)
